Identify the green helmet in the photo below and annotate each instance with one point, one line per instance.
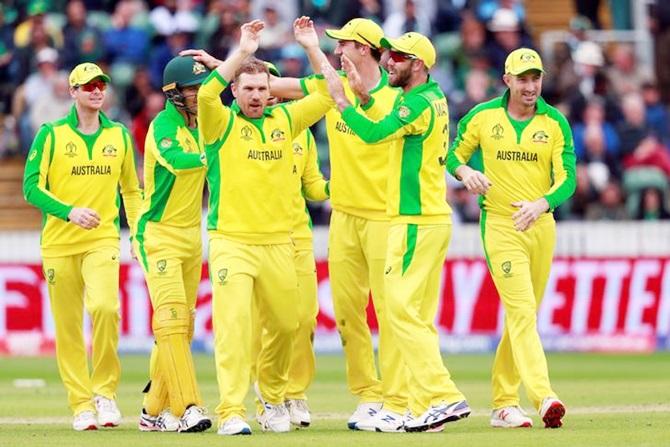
(184, 71)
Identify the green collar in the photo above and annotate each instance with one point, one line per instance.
(174, 115)
(430, 84)
(383, 81)
(235, 108)
(540, 107)
(73, 120)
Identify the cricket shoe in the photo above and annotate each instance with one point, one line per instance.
(274, 418)
(108, 412)
(384, 421)
(510, 417)
(234, 426)
(298, 412)
(85, 421)
(552, 411)
(408, 417)
(438, 415)
(363, 411)
(194, 420)
(166, 421)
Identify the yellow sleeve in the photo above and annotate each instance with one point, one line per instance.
(563, 162)
(305, 112)
(317, 84)
(130, 185)
(213, 116)
(314, 186)
(466, 142)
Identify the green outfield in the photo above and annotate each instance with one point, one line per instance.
(611, 400)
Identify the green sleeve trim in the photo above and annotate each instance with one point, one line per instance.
(373, 132)
(369, 105)
(165, 137)
(564, 190)
(454, 159)
(32, 192)
(303, 85)
(216, 75)
(412, 232)
(328, 188)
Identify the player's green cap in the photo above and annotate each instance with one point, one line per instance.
(414, 44)
(272, 68)
(184, 71)
(522, 60)
(363, 31)
(85, 73)
(37, 7)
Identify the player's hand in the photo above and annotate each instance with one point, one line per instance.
(528, 213)
(84, 217)
(305, 33)
(203, 57)
(474, 181)
(354, 79)
(335, 87)
(251, 35)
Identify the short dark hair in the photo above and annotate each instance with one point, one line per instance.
(251, 65)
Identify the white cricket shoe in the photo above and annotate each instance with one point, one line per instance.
(194, 420)
(108, 412)
(234, 426)
(552, 411)
(164, 422)
(510, 417)
(85, 421)
(438, 415)
(409, 417)
(363, 411)
(298, 412)
(384, 421)
(274, 417)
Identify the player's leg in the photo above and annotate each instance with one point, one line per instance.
(66, 294)
(349, 284)
(303, 362)
(509, 264)
(155, 414)
(542, 243)
(393, 376)
(414, 263)
(100, 271)
(277, 290)
(233, 268)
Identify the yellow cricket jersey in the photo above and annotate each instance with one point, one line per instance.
(174, 174)
(250, 164)
(523, 160)
(309, 184)
(416, 135)
(67, 169)
(359, 169)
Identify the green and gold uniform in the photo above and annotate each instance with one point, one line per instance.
(251, 218)
(169, 247)
(524, 161)
(67, 169)
(417, 129)
(309, 185)
(357, 248)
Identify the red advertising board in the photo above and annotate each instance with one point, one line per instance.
(589, 304)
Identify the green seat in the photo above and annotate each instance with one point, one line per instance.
(636, 180)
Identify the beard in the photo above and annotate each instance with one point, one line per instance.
(401, 78)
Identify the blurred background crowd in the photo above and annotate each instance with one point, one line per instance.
(608, 70)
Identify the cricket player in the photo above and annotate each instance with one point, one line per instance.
(359, 226)
(417, 128)
(249, 150)
(169, 246)
(309, 185)
(73, 173)
(528, 170)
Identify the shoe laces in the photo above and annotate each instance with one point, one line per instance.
(276, 410)
(299, 404)
(105, 404)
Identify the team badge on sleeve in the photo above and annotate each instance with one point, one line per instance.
(165, 143)
(403, 112)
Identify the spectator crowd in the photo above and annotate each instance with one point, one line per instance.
(617, 106)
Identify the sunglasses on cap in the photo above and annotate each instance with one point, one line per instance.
(91, 86)
(400, 57)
